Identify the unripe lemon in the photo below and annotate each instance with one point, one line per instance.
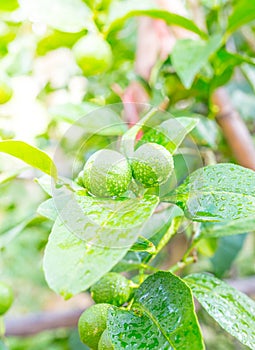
(6, 298)
(107, 173)
(93, 54)
(112, 288)
(5, 92)
(152, 164)
(105, 342)
(92, 324)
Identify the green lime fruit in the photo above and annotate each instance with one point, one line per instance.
(6, 298)
(93, 54)
(107, 173)
(5, 91)
(152, 164)
(112, 288)
(105, 342)
(92, 324)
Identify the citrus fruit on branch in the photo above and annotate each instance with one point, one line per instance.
(107, 173)
(92, 324)
(152, 164)
(93, 54)
(112, 288)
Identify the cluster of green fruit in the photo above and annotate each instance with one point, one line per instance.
(108, 173)
(6, 298)
(111, 289)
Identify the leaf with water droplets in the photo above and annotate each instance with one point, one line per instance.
(233, 310)
(162, 317)
(90, 237)
(171, 132)
(219, 192)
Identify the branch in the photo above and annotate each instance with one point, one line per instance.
(234, 130)
(24, 326)
(30, 324)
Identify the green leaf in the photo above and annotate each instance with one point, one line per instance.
(129, 138)
(162, 317)
(228, 228)
(219, 192)
(189, 56)
(91, 118)
(81, 245)
(10, 175)
(9, 235)
(65, 15)
(70, 113)
(120, 12)
(228, 249)
(171, 133)
(30, 155)
(243, 13)
(206, 133)
(45, 183)
(159, 229)
(143, 245)
(233, 310)
(48, 209)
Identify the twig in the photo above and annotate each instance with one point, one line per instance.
(234, 129)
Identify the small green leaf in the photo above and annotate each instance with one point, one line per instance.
(226, 253)
(65, 15)
(10, 175)
(243, 13)
(143, 245)
(48, 209)
(81, 245)
(30, 155)
(9, 235)
(189, 56)
(162, 317)
(120, 12)
(233, 310)
(219, 192)
(129, 138)
(171, 133)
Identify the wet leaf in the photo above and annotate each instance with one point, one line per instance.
(219, 192)
(89, 238)
(162, 317)
(171, 133)
(233, 310)
(228, 228)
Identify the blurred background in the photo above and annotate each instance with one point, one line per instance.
(60, 60)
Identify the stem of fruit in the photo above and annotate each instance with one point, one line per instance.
(181, 264)
(187, 259)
